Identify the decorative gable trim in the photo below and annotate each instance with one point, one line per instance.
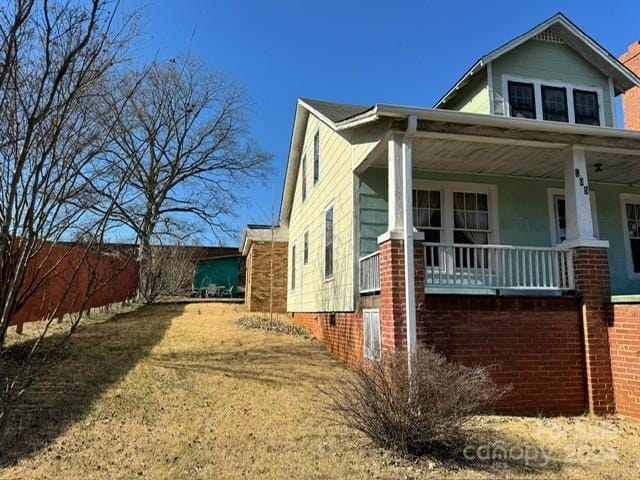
(548, 36)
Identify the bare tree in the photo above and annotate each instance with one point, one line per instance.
(187, 134)
(170, 273)
(55, 58)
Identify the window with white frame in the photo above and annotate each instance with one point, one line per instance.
(554, 104)
(632, 232)
(555, 101)
(522, 102)
(316, 157)
(427, 213)
(586, 107)
(451, 212)
(427, 218)
(304, 177)
(328, 243)
(293, 267)
(371, 327)
(305, 248)
(560, 218)
(471, 218)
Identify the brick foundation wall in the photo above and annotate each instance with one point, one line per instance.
(345, 338)
(624, 335)
(631, 99)
(534, 343)
(258, 277)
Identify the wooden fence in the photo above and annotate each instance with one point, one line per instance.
(63, 279)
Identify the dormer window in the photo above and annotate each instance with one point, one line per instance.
(586, 106)
(554, 104)
(553, 101)
(522, 102)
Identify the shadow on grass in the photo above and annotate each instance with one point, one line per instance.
(499, 455)
(96, 356)
(273, 365)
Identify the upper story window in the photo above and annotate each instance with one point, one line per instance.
(586, 106)
(316, 157)
(558, 102)
(305, 248)
(554, 104)
(304, 178)
(293, 267)
(522, 102)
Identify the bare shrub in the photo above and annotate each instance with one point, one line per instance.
(427, 412)
(169, 272)
(272, 325)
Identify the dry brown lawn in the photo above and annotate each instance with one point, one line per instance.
(180, 391)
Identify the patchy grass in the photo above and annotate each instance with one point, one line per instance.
(180, 391)
(273, 324)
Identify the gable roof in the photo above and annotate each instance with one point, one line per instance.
(559, 25)
(332, 111)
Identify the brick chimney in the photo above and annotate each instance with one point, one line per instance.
(631, 99)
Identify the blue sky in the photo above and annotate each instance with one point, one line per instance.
(351, 51)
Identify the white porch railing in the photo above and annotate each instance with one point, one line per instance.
(500, 267)
(370, 273)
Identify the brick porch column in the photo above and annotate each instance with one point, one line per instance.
(591, 266)
(392, 291)
(392, 295)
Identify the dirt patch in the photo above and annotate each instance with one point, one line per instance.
(180, 391)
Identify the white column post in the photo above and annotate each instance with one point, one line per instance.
(409, 266)
(577, 198)
(395, 184)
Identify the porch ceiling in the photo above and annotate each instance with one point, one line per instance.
(521, 158)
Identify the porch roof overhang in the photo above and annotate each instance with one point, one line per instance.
(458, 142)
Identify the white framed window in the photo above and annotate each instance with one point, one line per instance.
(293, 267)
(554, 103)
(630, 205)
(328, 242)
(558, 216)
(458, 213)
(427, 213)
(305, 247)
(467, 212)
(552, 100)
(371, 329)
(316, 157)
(304, 177)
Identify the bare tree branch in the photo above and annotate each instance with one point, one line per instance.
(55, 60)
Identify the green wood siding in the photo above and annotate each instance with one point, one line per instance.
(221, 271)
(549, 61)
(523, 215)
(373, 209)
(474, 97)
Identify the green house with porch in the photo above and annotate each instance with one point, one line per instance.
(501, 226)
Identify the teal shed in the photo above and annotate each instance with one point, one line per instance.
(221, 271)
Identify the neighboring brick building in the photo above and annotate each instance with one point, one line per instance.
(265, 249)
(631, 98)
